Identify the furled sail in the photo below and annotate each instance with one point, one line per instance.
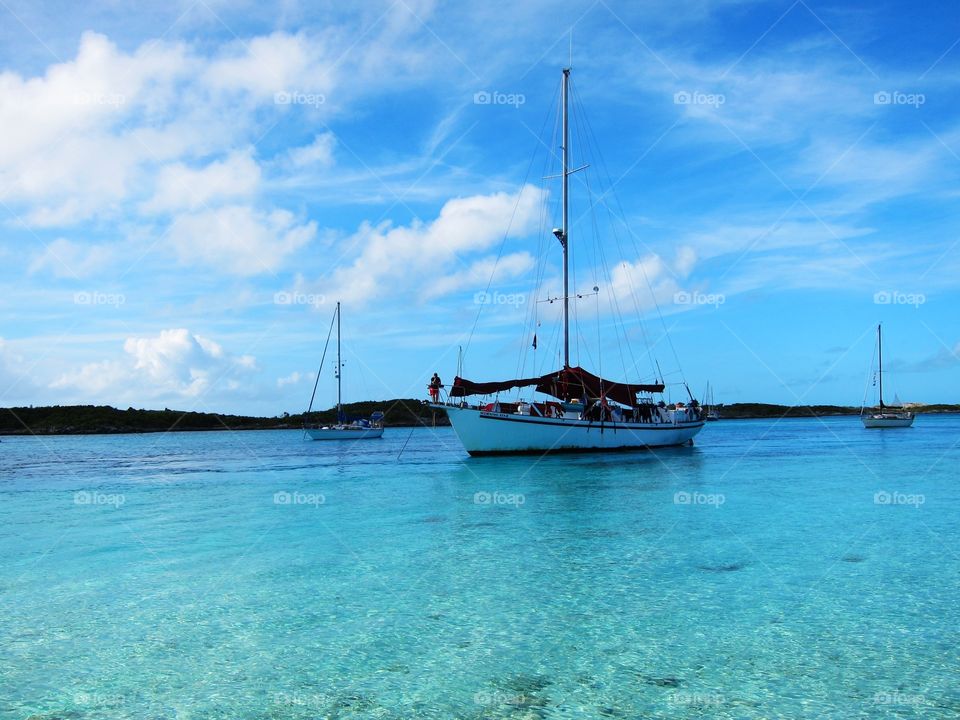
(568, 383)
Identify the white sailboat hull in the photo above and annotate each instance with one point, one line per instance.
(887, 420)
(492, 433)
(334, 433)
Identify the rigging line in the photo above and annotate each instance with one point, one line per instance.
(543, 246)
(605, 173)
(503, 242)
(636, 250)
(320, 370)
(866, 387)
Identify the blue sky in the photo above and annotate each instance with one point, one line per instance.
(185, 191)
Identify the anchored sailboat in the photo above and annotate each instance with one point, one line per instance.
(886, 416)
(341, 430)
(711, 410)
(584, 412)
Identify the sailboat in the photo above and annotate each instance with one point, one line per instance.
(710, 410)
(341, 430)
(886, 416)
(583, 412)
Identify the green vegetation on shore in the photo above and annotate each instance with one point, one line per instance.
(91, 419)
(84, 419)
(743, 411)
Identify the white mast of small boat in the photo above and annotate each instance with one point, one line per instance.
(884, 418)
(362, 430)
(568, 425)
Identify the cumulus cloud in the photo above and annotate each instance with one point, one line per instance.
(276, 63)
(181, 187)
(318, 153)
(651, 278)
(413, 256)
(175, 364)
(239, 240)
(291, 379)
(109, 128)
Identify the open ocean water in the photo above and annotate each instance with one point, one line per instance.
(791, 569)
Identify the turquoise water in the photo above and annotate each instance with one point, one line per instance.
(777, 569)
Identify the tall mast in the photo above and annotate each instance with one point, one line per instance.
(880, 363)
(339, 367)
(564, 240)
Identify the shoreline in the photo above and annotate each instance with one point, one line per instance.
(403, 413)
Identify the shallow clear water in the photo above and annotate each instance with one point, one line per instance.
(799, 568)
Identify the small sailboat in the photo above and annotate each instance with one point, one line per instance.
(711, 410)
(886, 416)
(581, 411)
(341, 430)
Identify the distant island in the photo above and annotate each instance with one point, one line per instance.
(403, 412)
(104, 419)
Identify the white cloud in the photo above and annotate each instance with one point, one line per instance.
(650, 279)
(318, 153)
(239, 240)
(280, 62)
(175, 364)
(401, 259)
(291, 379)
(480, 273)
(181, 187)
(67, 259)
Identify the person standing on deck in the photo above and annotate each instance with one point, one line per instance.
(434, 387)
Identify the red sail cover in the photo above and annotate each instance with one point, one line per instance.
(574, 382)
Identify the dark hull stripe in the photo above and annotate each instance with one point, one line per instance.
(597, 426)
